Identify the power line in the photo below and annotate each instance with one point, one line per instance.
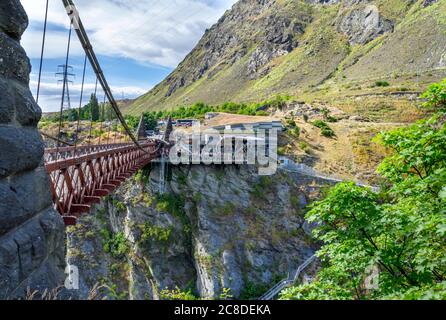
(86, 44)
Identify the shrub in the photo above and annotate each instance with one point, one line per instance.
(151, 232)
(120, 206)
(319, 124)
(171, 204)
(262, 113)
(253, 291)
(177, 294)
(332, 119)
(226, 294)
(291, 123)
(436, 95)
(296, 132)
(382, 83)
(281, 151)
(114, 244)
(325, 112)
(262, 187)
(303, 146)
(326, 131)
(228, 209)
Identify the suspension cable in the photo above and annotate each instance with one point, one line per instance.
(109, 125)
(80, 106)
(91, 113)
(42, 52)
(101, 119)
(64, 83)
(86, 44)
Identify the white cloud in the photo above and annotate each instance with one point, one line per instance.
(52, 93)
(148, 31)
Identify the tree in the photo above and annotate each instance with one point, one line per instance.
(400, 231)
(151, 121)
(436, 96)
(94, 108)
(73, 115)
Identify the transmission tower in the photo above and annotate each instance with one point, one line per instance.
(65, 74)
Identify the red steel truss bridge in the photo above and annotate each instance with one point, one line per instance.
(85, 169)
(81, 176)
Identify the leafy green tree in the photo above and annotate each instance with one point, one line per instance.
(436, 96)
(94, 108)
(400, 231)
(73, 114)
(150, 120)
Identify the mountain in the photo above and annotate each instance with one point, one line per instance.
(313, 49)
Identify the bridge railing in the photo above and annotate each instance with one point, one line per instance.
(81, 176)
(63, 153)
(285, 283)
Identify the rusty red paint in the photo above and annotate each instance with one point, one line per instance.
(80, 176)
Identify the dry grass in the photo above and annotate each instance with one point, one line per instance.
(95, 293)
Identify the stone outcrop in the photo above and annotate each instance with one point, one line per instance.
(363, 22)
(31, 232)
(215, 228)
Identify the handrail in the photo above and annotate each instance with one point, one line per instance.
(274, 291)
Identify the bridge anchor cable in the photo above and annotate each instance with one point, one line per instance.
(73, 14)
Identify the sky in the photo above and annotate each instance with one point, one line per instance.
(138, 43)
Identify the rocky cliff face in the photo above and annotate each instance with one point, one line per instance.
(31, 232)
(215, 228)
(261, 48)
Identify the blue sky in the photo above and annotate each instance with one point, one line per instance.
(138, 42)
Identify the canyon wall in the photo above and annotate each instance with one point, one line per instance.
(32, 234)
(217, 228)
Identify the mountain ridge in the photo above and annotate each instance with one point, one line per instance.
(308, 49)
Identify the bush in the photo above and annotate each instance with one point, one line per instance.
(114, 244)
(382, 83)
(151, 232)
(332, 119)
(120, 206)
(281, 151)
(397, 232)
(436, 96)
(262, 187)
(177, 294)
(326, 131)
(262, 113)
(291, 123)
(303, 146)
(253, 291)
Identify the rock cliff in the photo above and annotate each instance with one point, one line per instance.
(215, 228)
(31, 233)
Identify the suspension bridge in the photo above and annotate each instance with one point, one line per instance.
(83, 172)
